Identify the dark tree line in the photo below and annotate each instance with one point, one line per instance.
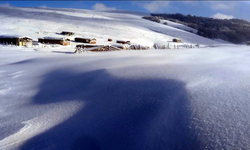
(232, 30)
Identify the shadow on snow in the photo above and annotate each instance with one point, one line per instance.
(119, 113)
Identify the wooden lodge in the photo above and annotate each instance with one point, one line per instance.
(123, 42)
(54, 40)
(177, 40)
(85, 40)
(67, 33)
(16, 40)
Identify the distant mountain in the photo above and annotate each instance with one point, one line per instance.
(232, 30)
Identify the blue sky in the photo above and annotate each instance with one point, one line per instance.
(216, 9)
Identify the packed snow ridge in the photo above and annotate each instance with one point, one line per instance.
(196, 98)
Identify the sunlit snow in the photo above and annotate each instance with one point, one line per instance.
(189, 98)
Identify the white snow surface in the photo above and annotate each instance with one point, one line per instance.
(40, 22)
(155, 99)
(179, 26)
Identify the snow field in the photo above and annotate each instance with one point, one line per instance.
(156, 99)
(215, 82)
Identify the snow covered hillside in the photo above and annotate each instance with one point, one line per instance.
(39, 22)
(128, 100)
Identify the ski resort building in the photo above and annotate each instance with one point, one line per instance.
(54, 40)
(85, 40)
(177, 40)
(123, 42)
(67, 33)
(16, 40)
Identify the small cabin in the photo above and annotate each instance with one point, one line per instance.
(123, 42)
(67, 33)
(54, 40)
(16, 40)
(177, 40)
(86, 40)
(110, 40)
(92, 42)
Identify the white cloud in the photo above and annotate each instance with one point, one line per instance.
(43, 6)
(155, 6)
(225, 6)
(102, 7)
(5, 5)
(191, 3)
(221, 16)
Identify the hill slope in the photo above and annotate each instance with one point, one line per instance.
(231, 30)
(38, 22)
